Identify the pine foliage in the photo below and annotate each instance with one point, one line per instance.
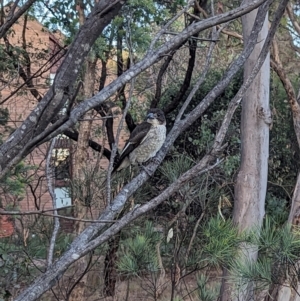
(220, 241)
(138, 255)
(278, 255)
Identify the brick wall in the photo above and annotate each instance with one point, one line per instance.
(6, 226)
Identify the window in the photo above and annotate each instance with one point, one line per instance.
(61, 163)
(61, 158)
(62, 197)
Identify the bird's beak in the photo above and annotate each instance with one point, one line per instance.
(150, 116)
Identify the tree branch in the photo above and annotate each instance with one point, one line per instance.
(159, 79)
(73, 134)
(28, 80)
(10, 148)
(49, 173)
(105, 110)
(120, 70)
(43, 212)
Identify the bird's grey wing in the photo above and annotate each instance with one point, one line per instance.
(137, 137)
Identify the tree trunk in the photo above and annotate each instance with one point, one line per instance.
(79, 166)
(251, 184)
(110, 267)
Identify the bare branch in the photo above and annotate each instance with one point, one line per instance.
(289, 89)
(159, 78)
(72, 134)
(50, 176)
(43, 212)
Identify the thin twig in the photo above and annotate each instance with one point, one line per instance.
(97, 118)
(193, 38)
(3, 212)
(193, 238)
(57, 215)
(53, 59)
(100, 154)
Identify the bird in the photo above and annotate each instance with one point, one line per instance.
(144, 142)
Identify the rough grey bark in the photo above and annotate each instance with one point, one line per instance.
(24, 139)
(251, 184)
(35, 129)
(90, 237)
(56, 226)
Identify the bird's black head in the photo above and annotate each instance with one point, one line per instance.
(156, 117)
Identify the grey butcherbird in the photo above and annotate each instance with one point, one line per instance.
(144, 141)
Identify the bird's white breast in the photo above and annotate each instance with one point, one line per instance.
(150, 145)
